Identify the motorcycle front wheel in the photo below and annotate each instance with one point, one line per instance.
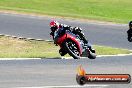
(72, 49)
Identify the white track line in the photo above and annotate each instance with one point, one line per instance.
(115, 55)
(66, 57)
(69, 86)
(19, 58)
(102, 56)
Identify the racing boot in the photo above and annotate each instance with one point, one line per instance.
(62, 52)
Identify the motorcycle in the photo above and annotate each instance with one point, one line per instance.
(72, 44)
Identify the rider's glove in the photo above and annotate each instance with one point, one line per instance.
(77, 29)
(51, 33)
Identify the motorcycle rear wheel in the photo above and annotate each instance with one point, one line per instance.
(91, 55)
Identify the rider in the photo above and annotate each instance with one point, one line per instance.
(129, 32)
(75, 30)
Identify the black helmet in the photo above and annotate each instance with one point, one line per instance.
(130, 24)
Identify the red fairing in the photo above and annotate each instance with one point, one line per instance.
(61, 39)
(68, 36)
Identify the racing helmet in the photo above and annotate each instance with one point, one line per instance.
(130, 24)
(54, 25)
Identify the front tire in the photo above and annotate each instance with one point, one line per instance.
(72, 49)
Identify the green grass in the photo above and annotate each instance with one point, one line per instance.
(105, 50)
(108, 10)
(16, 48)
(10, 47)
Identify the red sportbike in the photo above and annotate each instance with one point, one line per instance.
(72, 44)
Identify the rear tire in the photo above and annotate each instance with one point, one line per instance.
(91, 55)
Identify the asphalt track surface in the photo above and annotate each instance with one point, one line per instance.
(38, 27)
(58, 73)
